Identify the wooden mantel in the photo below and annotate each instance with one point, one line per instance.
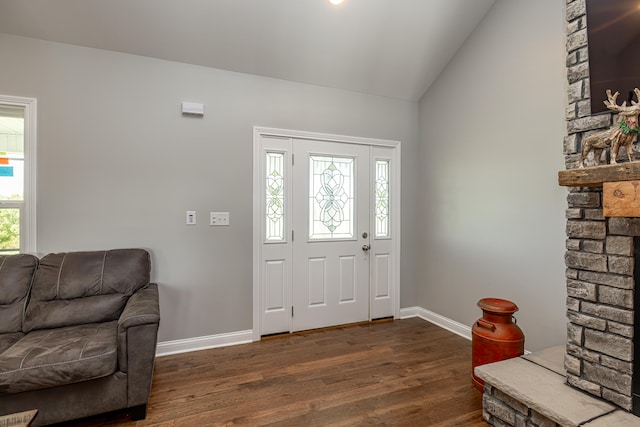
(597, 175)
(620, 186)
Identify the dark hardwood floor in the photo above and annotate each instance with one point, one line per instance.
(403, 373)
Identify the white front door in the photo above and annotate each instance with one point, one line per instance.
(331, 234)
(326, 230)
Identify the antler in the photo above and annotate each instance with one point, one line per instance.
(637, 91)
(611, 102)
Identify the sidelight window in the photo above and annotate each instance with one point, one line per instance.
(382, 203)
(275, 197)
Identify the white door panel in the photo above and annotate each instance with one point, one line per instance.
(331, 200)
(383, 266)
(275, 263)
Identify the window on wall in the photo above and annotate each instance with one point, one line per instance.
(17, 180)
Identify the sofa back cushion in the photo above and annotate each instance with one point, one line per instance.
(75, 288)
(16, 274)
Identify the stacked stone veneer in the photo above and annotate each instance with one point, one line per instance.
(599, 255)
(502, 410)
(600, 282)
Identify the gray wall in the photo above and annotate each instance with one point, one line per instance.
(482, 213)
(118, 166)
(491, 130)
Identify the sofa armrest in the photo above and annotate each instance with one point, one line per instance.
(137, 339)
(142, 309)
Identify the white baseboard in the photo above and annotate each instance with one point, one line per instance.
(444, 322)
(203, 343)
(243, 337)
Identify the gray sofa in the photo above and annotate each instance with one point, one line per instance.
(78, 333)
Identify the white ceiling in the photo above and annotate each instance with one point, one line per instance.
(393, 48)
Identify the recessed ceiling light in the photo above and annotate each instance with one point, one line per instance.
(335, 2)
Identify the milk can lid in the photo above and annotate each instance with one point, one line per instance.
(497, 305)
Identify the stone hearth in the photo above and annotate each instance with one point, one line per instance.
(532, 391)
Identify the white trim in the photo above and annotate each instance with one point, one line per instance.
(439, 320)
(396, 224)
(203, 343)
(259, 131)
(28, 229)
(245, 337)
(300, 134)
(444, 322)
(167, 348)
(257, 234)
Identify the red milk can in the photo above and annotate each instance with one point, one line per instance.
(495, 337)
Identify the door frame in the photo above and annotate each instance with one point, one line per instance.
(258, 194)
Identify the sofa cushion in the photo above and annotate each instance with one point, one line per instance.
(53, 357)
(8, 339)
(16, 274)
(85, 287)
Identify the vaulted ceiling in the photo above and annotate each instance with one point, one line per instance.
(392, 48)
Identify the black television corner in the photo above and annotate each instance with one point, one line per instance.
(613, 32)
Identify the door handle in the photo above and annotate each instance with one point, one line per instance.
(366, 248)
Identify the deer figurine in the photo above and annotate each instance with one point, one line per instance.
(620, 135)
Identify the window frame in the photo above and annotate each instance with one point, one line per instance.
(27, 207)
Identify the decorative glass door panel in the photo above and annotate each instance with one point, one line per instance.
(274, 208)
(382, 205)
(331, 198)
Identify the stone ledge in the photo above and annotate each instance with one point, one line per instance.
(617, 419)
(530, 381)
(550, 358)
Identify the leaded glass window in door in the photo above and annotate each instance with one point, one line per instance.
(274, 212)
(382, 198)
(331, 197)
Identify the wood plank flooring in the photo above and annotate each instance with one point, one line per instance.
(402, 373)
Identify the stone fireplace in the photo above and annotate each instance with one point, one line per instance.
(600, 267)
(594, 380)
(600, 253)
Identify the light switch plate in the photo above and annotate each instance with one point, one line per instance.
(219, 218)
(191, 217)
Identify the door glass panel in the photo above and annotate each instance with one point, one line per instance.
(331, 198)
(275, 197)
(382, 198)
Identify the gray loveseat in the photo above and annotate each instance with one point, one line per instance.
(78, 333)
